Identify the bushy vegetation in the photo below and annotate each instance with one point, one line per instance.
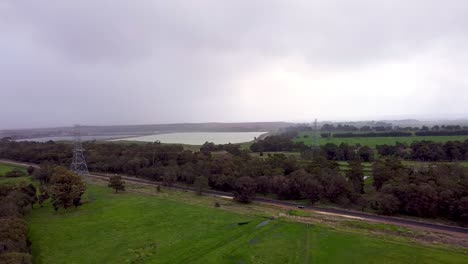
(116, 183)
(427, 151)
(65, 188)
(440, 190)
(234, 149)
(346, 152)
(286, 177)
(18, 197)
(383, 126)
(281, 142)
(15, 201)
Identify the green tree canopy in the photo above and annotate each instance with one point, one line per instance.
(65, 188)
(116, 183)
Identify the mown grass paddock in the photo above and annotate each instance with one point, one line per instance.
(4, 168)
(307, 137)
(177, 227)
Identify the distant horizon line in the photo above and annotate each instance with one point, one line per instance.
(434, 119)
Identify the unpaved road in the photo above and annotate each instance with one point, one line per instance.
(452, 230)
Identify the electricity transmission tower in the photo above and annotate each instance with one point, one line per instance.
(78, 164)
(315, 144)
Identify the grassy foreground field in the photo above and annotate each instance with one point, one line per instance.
(373, 141)
(139, 228)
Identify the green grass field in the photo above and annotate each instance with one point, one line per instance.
(373, 141)
(139, 228)
(4, 168)
(421, 163)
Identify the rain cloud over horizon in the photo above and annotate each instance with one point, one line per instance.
(140, 62)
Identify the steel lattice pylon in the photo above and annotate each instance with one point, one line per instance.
(78, 164)
(315, 139)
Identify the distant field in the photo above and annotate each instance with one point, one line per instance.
(4, 168)
(420, 163)
(137, 228)
(373, 141)
(266, 153)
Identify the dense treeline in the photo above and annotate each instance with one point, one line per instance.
(338, 127)
(442, 133)
(427, 150)
(380, 126)
(234, 149)
(36, 153)
(58, 184)
(396, 189)
(444, 128)
(395, 134)
(373, 134)
(15, 201)
(436, 191)
(347, 152)
(436, 130)
(281, 142)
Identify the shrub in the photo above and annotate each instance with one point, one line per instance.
(116, 183)
(386, 204)
(14, 173)
(15, 258)
(65, 188)
(13, 235)
(30, 170)
(244, 189)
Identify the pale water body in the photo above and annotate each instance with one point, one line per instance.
(198, 138)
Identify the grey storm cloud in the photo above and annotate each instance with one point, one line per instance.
(129, 62)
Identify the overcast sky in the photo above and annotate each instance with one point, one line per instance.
(138, 62)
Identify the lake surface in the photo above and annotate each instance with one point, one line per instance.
(198, 138)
